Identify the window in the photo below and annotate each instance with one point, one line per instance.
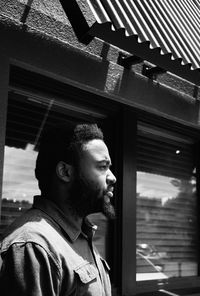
(165, 226)
(27, 116)
(166, 205)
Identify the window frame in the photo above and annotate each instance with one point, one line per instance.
(4, 84)
(96, 111)
(126, 166)
(129, 285)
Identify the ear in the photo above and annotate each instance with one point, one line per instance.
(64, 171)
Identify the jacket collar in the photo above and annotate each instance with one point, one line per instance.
(71, 225)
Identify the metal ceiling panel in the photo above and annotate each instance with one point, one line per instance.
(163, 32)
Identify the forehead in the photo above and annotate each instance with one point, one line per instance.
(97, 150)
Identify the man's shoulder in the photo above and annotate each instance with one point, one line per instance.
(38, 229)
(34, 226)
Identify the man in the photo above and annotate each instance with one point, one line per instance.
(49, 250)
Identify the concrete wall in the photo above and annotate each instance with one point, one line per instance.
(39, 34)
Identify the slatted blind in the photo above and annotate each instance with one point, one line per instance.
(26, 119)
(166, 202)
(27, 116)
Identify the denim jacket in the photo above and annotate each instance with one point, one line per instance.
(45, 252)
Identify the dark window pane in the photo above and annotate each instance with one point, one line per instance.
(166, 203)
(27, 117)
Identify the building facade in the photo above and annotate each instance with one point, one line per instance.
(52, 71)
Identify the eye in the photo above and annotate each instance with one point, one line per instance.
(103, 167)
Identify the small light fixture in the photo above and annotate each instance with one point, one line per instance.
(127, 61)
(152, 71)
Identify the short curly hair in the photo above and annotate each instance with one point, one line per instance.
(62, 143)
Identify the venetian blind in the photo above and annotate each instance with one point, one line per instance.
(27, 117)
(166, 202)
(28, 114)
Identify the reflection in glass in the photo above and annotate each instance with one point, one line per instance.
(27, 118)
(19, 183)
(166, 209)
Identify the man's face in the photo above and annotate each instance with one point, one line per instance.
(94, 181)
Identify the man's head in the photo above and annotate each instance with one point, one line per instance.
(78, 159)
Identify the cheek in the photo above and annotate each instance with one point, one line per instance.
(95, 178)
(101, 182)
(97, 181)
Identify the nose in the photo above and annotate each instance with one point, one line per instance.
(111, 179)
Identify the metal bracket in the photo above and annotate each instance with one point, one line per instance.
(152, 72)
(128, 61)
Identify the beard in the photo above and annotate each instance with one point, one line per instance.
(86, 197)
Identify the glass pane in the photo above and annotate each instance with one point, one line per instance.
(27, 117)
(19, 183)
(166, 207)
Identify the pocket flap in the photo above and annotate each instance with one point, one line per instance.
(86, 273)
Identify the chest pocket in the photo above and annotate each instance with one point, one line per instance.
(86, 273)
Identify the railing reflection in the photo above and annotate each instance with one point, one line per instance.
(10, 210)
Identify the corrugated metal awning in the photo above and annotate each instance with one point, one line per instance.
(163, 32)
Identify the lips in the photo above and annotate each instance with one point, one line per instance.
(109, 192)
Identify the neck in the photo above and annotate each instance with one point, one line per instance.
(68, 204)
